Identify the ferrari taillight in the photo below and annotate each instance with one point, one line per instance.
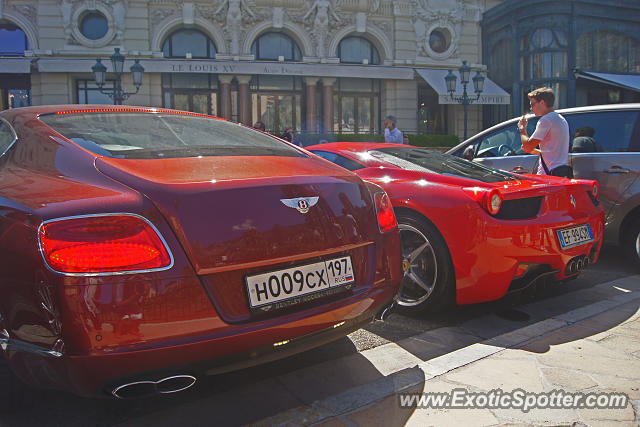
(493, 201)
(103, 244)
(386, 216)
(490, 200)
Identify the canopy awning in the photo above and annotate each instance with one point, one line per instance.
(625, 81)
(492, 93)
(15, 65)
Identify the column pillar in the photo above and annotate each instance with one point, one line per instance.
(327, 104)
(244, 104)
(312, 104)
(225, 95)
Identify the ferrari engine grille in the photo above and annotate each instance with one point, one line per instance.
(520, 208)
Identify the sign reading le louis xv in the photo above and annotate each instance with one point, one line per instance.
(318, 70)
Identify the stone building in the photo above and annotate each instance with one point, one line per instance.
(587, 50)
(320, 66)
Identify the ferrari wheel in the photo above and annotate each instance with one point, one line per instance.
(425, 263)
(631, 243)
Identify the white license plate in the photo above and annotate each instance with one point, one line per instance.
(297, 282)
(575, 236)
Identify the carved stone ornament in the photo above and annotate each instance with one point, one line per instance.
(322, 14)
(438, 24)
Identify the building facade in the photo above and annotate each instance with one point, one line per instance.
(587, 50)
(319, 66)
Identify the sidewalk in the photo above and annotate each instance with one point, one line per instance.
(595, 348)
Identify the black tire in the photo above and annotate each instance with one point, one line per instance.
(631, 242)
(428, 283)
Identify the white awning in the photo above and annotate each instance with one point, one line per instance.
(491, 94)
(625, 81)
(15, 65)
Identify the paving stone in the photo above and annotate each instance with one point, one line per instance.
(453, 338)
(453, 360)
(507, 375)
(452, 417)
(568, 380)
(423, 350)
(621, 343)
(590, 357)
(386, 412)
(390, 358)
(540, 417)
(599, 415)
(335, 422)
(630, 387)
(519, 336)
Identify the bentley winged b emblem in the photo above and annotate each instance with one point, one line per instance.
(302, 204)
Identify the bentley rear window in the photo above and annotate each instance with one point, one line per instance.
(419, 159)
(152, 135)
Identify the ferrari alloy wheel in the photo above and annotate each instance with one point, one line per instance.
(425, 263)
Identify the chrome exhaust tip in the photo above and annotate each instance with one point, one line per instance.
(147, 388)
(385, 312)
(579, 265)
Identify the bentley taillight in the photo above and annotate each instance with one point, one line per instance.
(386, 216)
(103, 244)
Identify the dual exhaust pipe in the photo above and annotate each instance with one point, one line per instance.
(577, 264)
(148, 388)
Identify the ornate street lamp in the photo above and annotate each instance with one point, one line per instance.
(117, 61)
(465, 99)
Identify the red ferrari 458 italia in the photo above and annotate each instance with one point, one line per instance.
(141, 248)
(472, 231)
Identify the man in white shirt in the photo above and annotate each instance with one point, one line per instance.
(391, 132)
(551, 135)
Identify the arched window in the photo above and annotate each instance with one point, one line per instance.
(544, 62)
(13, 41)
(608, 51)
(357, 50)
(183, 42)
(270, 46)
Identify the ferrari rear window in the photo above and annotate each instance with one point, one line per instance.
(152, 135)
(419, 159)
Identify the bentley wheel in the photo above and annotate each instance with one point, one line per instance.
(425, 263)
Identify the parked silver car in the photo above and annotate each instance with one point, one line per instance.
(614, 160)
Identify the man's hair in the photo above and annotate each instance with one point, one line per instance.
(585, 131)
(392, 118)
(258, 125)
(543, 94)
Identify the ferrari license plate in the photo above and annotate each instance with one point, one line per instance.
(301, 283)
(575, 236)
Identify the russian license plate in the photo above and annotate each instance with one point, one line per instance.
(297, 284)
(575, 236)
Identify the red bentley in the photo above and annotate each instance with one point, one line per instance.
(141, 248)
(473, 231)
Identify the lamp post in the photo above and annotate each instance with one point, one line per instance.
(117, 61)
(465, 99)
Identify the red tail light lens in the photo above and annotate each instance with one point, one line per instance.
(490, 200)
(386, 216)
(493, 201)
(103, 244)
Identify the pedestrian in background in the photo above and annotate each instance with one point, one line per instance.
(391, 132)
(259, 126)
(584, 142)
(290, 135)
(551, 135)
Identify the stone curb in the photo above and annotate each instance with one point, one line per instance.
(367, 394)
